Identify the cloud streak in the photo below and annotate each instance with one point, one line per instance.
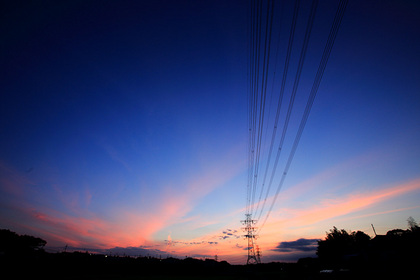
(136, 227)
(176, 201)
(76, 223)
(329, 208)
(300, 245)
(301, 221)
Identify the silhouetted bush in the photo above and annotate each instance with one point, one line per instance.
(14, 244)
(340, 246)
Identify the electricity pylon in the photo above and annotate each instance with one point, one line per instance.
(258, 254)
(250, 236)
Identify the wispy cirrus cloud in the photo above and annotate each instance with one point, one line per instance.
(339, 206)
(299, 219)
(74, 221)
(296, 219)
(175, 202)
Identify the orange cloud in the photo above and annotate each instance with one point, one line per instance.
(74, 231)
(292, 222)
(129, 225)
(230, 250)
(385, 212)
(290, 219)
(176, 201)
(340, 206)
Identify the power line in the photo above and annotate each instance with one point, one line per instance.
(271, 99)
(282, 88)
(320, 72)
(258, 72)
(293, 95)
(252, 97)
(259, 56)
(256, 107)
(266, 58)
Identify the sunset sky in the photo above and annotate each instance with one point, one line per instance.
(123, 125)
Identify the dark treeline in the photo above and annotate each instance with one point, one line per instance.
(355, 254)
(341, 255)
(12, 244)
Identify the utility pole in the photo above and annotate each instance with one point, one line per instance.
(374, 231)
(250, 236)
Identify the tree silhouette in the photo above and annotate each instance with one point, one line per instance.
(12, 243)
(340, 245)
(412, 224)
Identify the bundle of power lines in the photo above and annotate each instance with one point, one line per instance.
(268, 91)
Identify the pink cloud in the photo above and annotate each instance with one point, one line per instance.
(385, 212)
(225, 249)
(176, 202)
(290, 218)
(312, 184)
(290, 223)
(211, 244)
(79, 227)
(75, 231)
(340, 206)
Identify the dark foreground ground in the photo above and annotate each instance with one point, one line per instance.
(76, 265)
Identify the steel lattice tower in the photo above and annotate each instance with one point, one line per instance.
(250, 236)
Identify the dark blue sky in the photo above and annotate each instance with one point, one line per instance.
(79, 68)
(116, 112)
